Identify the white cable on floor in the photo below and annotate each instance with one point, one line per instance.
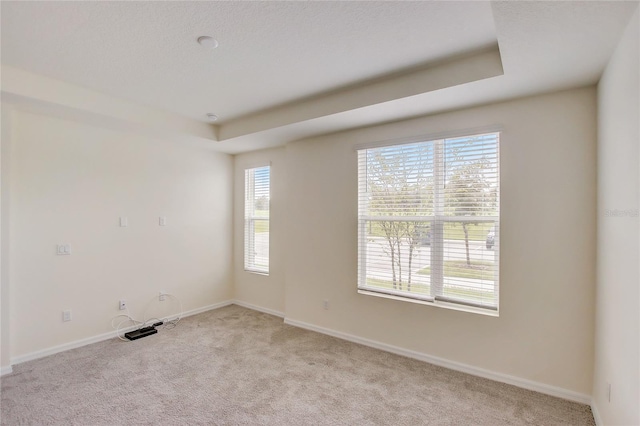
(127, 318)
(166, 320)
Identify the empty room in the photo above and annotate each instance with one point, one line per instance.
(320, 213)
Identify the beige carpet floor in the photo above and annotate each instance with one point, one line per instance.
(234, 366)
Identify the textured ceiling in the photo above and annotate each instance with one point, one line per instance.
(289, 70)
(269, 53)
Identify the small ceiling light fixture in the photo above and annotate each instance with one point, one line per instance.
(212, 117)
(208, 42)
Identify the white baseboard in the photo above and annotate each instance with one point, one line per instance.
(6, 370)
(596, 414)
(492, 375)
(452, 365)
(258, 308)
(99, 338)
(207, 308)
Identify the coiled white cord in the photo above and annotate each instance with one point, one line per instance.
(127, 319)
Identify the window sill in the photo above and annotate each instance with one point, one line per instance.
(436, 303)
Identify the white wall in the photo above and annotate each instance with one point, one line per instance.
(5, 163)
(545, 329)
(70, 182)
(264, 291)
(617, 339)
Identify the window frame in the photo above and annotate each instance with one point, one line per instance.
(436, 223)
(250, 219)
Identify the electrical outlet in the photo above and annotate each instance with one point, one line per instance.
(66, 316)
(325, 304)
(123, 304)
(162, 297)
(63, 249)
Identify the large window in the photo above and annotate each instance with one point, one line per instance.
(256, 219)
(428, 221)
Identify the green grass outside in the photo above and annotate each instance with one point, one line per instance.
(261, 225)
(454, 292)
(467, 294)
(415, 288)
(459, 269)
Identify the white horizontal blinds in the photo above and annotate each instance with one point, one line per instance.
(428, 220)
(395, 208)
(256, 219)
(470, 204)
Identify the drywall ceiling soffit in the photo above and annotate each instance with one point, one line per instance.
(304, 68)
(299, 118)
(544, 47)
(202, 137)
(43, 95)
(470, 67)
(270, 53)
(146, 53)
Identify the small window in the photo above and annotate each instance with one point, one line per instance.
(429, 221)
(256, 219)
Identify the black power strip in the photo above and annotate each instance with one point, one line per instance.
(139, 334)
